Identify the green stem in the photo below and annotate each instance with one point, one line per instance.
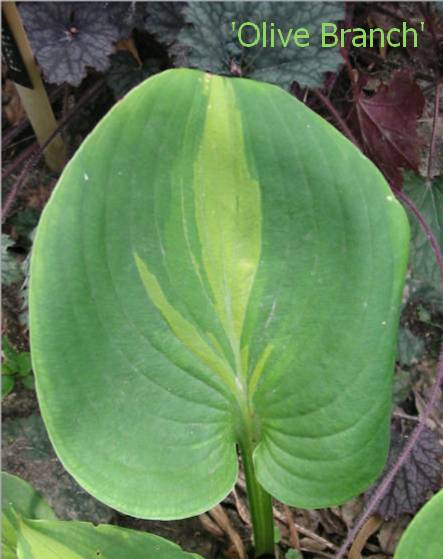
(260, 502)
(260, 507)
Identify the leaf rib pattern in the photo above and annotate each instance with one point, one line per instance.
(230, 259)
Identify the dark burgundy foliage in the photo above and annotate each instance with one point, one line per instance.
(125, 73)
(126, 16)
(165, 20)
(416, 480)
(67, 38)
(387, 125)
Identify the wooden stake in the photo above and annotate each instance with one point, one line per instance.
(35, 100)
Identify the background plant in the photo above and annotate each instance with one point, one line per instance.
(15, 364)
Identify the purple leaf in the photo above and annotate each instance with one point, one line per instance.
(69, 37)
(387, 123)
(419, 476)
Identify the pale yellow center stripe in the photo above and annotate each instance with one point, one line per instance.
(228, 218)
(227, 210)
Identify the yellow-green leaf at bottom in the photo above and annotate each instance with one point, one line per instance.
(41, 539)
(19, 498)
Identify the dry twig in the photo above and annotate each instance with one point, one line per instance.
(221, 518)
(305, 531)
(293, 534)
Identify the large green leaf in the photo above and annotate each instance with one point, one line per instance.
(80, 540)
(217, 265)
(423, 538)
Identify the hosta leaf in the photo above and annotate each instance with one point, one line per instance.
(210, 43)
(69, 37)
(74, 540)
(217, 265)
(424, 537)
(51, 539)
(18, 497)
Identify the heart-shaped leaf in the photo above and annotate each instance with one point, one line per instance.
(217, 266)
